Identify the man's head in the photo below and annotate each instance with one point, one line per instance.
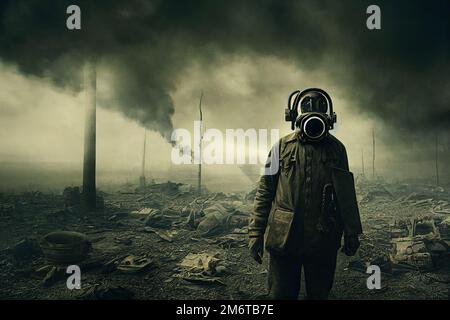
(316, 115)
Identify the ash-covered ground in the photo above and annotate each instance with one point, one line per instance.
(165, 242)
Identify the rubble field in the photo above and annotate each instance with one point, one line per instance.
(164, 242)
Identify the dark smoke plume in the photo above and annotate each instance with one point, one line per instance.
(400, 73)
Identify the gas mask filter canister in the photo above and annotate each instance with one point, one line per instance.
(313, 126)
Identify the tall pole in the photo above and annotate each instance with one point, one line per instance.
(199, 181)
(142, 178)
(436, 159)
(373, 153)
(89, 163)
(362, 162)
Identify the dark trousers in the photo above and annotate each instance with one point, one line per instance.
(285, 275)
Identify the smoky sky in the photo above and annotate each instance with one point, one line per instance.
(399, 74)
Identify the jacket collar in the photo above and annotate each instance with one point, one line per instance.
(294, 136)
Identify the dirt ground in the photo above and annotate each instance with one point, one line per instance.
(115, 233)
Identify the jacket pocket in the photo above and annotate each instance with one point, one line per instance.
(279, 229)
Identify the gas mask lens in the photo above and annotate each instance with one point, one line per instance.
(314, 102)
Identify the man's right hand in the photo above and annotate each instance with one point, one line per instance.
(256, 247)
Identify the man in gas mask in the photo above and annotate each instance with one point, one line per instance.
(305, 202)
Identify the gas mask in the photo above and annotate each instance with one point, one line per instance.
(316, 115)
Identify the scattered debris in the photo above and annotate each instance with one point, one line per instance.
(163, 234)
(142, 213)
(72, 196)
(250, 197)
(203, 268)
(158, 219)
(422, 248)
(153, 217)
(133, 264)
(412, 252)
(123, 240)
(25, 249)
(202, 279)
(101, 292)
(200, 262)
(376, 192)
(54, 275)
(444, 228)
(201, 240)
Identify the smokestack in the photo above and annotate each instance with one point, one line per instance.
(89, 192)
